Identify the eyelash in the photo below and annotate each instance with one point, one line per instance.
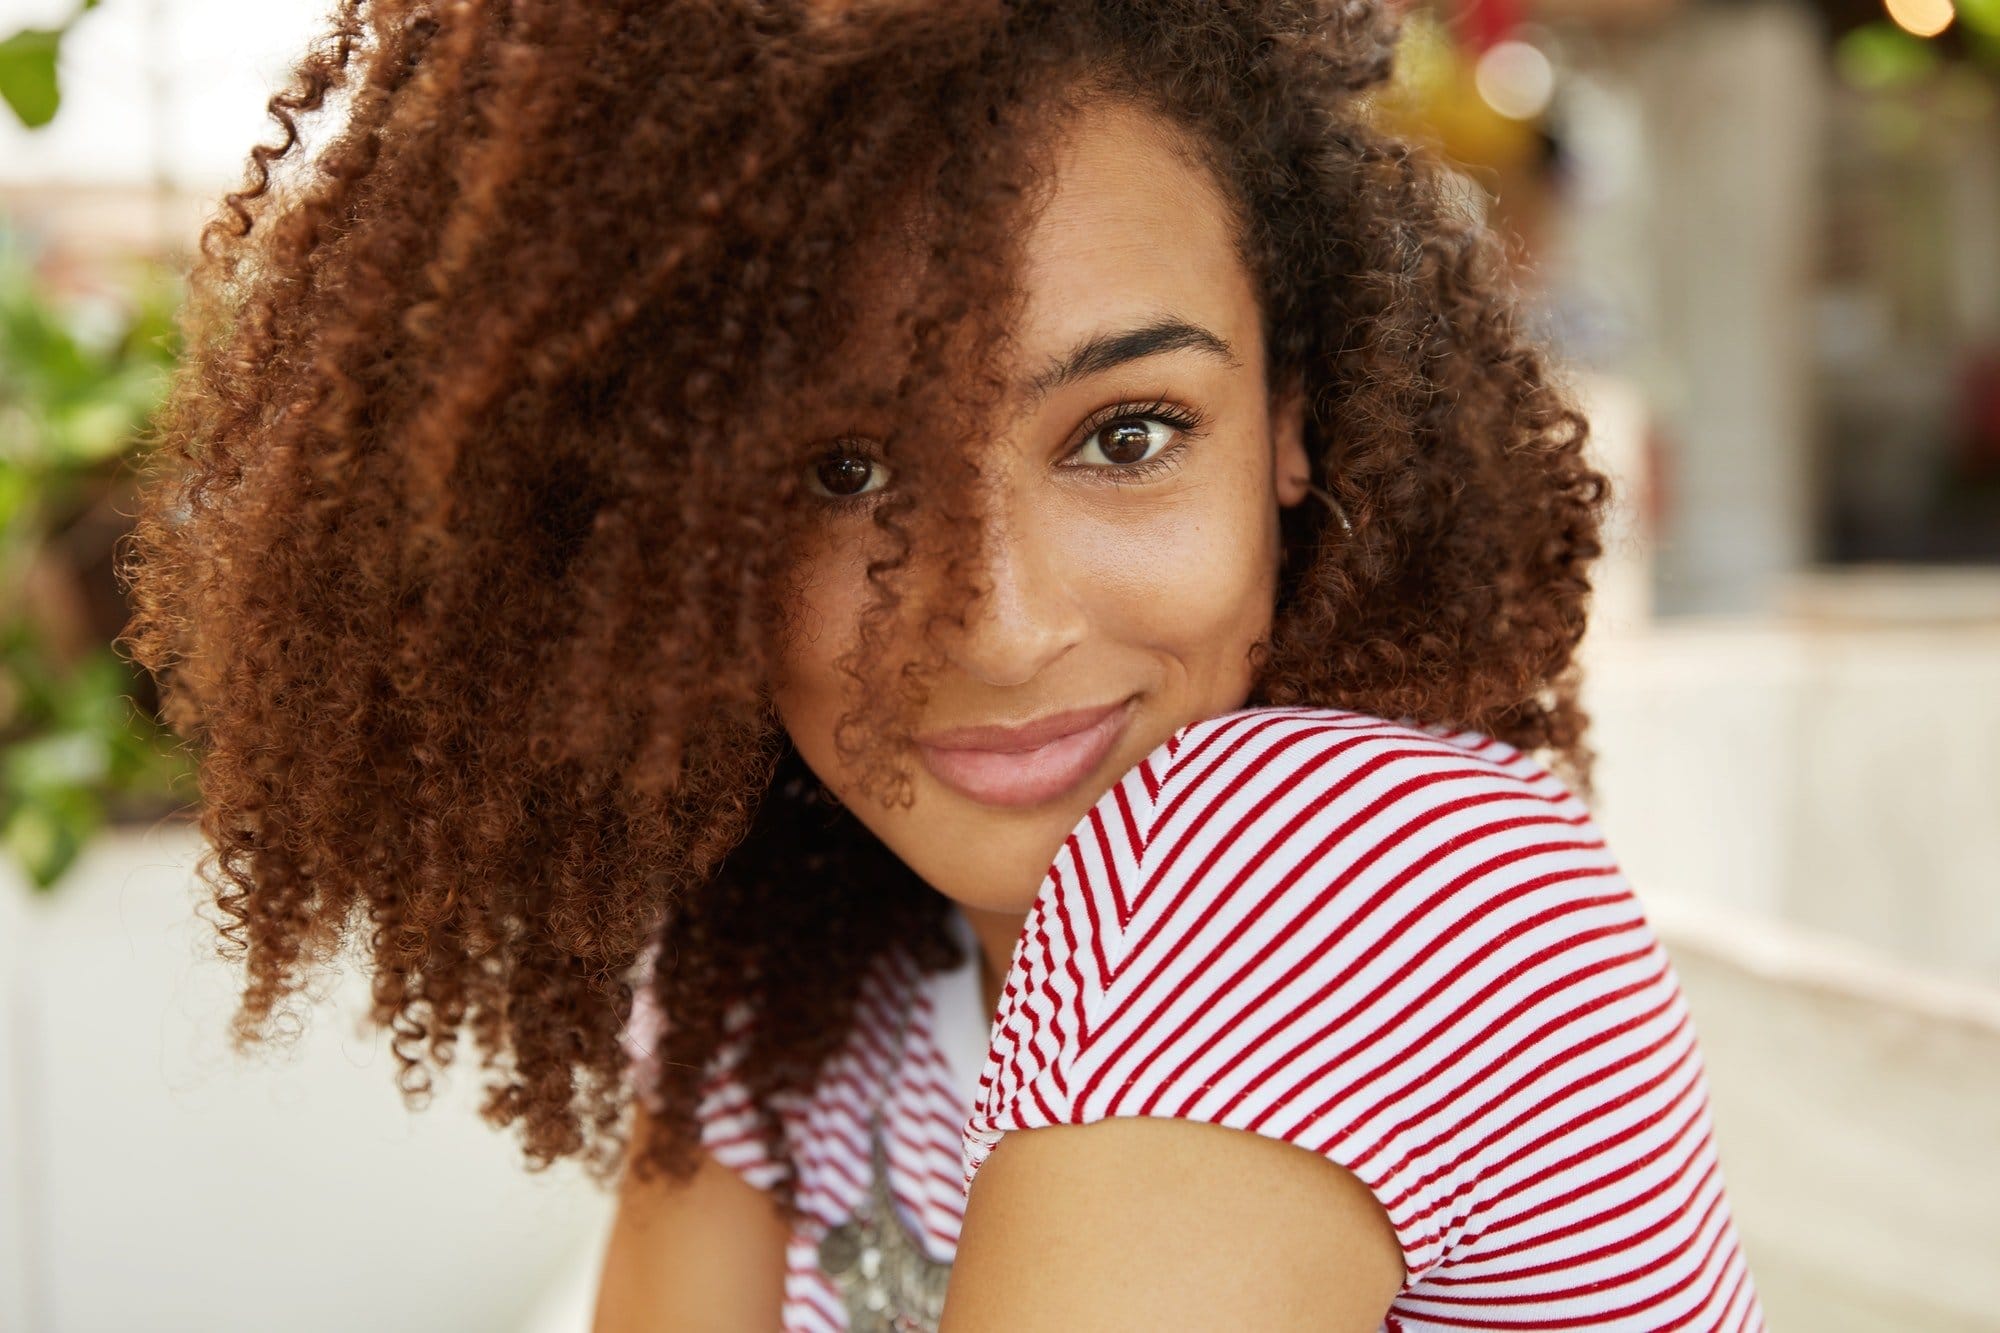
(1188, 421)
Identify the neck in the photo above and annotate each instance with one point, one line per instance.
(996, 933)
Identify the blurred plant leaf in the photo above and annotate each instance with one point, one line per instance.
(1879, 56)
(1982, 16)
(16, 489)
(28, 75)
(46, 833)
(28, 70)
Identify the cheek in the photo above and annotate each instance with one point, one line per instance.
(823, 609)
(1195, 578)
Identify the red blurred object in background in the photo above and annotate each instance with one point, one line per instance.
(1481, 23)
(1979, 412)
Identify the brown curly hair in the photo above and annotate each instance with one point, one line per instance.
(465, 547)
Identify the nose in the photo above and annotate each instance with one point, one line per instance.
(1027, 613)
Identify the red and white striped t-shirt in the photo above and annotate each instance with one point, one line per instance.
(1402, 947)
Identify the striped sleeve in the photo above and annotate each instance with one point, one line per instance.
(1407, 950)
(729, 1124)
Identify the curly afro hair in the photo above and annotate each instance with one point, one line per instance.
(463, 553)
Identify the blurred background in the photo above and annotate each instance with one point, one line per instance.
(1764, 235)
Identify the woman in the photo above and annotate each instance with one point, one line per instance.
(996, 567)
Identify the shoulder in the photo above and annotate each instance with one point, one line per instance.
(1403, 948)
(1319, 822)
(1269, 768)
(1312, 872)
(1227, 802)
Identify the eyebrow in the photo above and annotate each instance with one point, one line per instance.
(1104, 351)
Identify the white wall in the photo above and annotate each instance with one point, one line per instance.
(1837, 778)
(149, 1179)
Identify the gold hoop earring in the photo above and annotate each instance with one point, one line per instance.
(1326, 498)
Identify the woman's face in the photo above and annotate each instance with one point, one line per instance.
(1131, 525)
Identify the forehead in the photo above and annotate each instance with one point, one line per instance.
(1134, 227)
(1127, 228)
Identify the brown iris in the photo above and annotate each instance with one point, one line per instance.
(843, 474)
(1121, 436)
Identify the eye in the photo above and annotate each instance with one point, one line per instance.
(846, 472)
(1128, 440)
(1136, 440)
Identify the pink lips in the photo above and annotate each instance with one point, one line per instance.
(1028, 774)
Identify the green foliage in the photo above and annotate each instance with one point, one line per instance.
(28, 75)
(1880, 56)
(75, 395)
(1980, 16)
(28, 70)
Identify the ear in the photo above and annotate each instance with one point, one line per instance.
(1291, 469)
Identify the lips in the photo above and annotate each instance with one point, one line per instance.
(1019, 766)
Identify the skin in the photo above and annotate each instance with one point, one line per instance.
(1097, 590)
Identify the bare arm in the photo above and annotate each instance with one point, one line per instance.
(1140, 1223)
(704, 1256)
